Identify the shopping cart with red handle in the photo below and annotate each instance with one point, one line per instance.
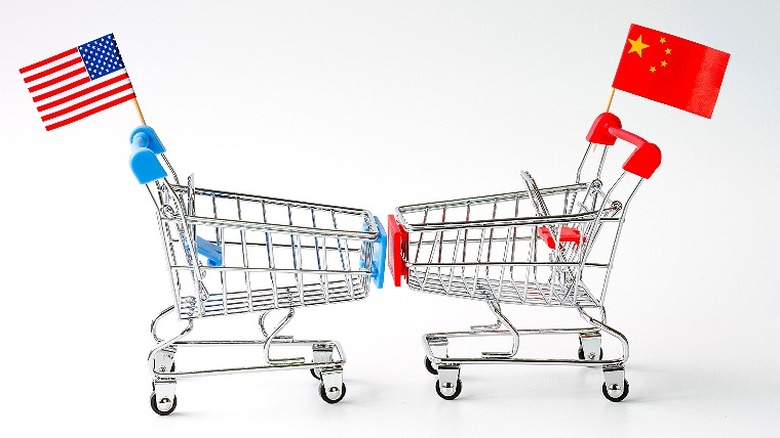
(514, 249)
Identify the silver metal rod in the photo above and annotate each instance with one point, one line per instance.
(479, 264)
(462, 202)
(276, 201)
(505, 223)
(282, 229)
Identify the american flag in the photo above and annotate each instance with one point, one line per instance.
(79, 82)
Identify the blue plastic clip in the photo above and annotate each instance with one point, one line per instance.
(209, 250)
(144, 146)
(378, 258)
(150, 139)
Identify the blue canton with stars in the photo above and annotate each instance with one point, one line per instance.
(101, 56)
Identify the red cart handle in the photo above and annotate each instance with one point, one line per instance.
(646, 158)
(397, 248)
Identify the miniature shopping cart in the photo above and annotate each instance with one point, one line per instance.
(233, 253)
(513, 248)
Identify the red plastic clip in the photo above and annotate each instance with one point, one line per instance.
(566, 234)
(397, 244)
(606, 129)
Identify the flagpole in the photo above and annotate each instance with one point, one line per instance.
(606, 110)
(140, 114)
(609, 102)
(143, 122)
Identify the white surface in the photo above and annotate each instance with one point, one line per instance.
(377, 104)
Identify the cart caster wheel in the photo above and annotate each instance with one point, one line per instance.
(326, 395)
(429, 366)
(458, 388)
(616, 394)
(317, 374)
(164, 409)
(581, 354)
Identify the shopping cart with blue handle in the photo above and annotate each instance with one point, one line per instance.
(233, 253)
(513, 249)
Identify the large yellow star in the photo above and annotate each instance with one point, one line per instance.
(637, 46)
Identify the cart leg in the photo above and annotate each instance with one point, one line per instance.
(438, 347)
(322, 353)
(615, 386)
(274, 337)
(448, 386)
(502, 320)
(590, 346)
(163, 398)
(332, 388)
(164, 360)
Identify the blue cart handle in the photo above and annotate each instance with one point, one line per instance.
(144, 146)
(378, 258)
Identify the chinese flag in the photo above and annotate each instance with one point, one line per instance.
(671, 70)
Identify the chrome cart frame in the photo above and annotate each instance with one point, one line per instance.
(233, 253)
(509, 249)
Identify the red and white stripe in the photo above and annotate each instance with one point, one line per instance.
(64, 93)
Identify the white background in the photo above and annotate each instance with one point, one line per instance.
(375, 104)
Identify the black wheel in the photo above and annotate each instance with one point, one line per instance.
(156, 408)
(581, 354)
(458, 388)
(325, 397)
(429, 366)
(317, 374)
(618, 398)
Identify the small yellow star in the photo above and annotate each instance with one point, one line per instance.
(652, 69)
(637, 46)
(668, 51)
(663, 63)
(663, 40)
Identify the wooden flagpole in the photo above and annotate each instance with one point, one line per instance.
(609, 102)
(606, 110)
(143, 122)
(140, 114)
